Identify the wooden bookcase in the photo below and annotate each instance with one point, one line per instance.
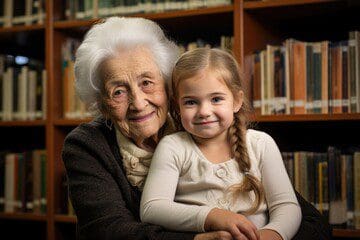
(253, 25)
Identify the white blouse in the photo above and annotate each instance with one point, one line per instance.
(183, 186)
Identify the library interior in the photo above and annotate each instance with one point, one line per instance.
(301, 64)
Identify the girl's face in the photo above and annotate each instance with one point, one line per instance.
(207, 105)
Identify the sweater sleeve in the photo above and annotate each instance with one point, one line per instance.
(98, 200)
(284, 210)
(157, 203)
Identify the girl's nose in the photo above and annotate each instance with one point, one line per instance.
(204, 110)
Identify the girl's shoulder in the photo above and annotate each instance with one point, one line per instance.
(255, 137)
(178, 139)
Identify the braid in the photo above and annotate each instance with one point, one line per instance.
(237, 137)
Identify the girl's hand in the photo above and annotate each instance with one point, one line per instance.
(217, 235)
(267, 234)
(236, 224)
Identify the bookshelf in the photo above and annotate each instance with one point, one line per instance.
(253, 25)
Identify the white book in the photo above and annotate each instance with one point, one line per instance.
(357, 68)
(44, 93)
(8, 12)
(3, 95)
(28, 11)
(8, 94)
(31, 96)
(22, 93)
(40, 15)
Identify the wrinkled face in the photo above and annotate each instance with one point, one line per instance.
(206, 105)
(136, 93)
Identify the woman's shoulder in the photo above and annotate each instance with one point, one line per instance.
(90, 131)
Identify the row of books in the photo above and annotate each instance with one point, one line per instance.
(330, 181)
(87, 9)
(20, 12)
(23, 181)
(73, 107)
(307, 77)
(225, 43)
(22, 88)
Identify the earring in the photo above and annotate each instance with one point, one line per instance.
(108, 124)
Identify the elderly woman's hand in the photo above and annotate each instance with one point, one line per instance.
(217, 235)
(236, 224)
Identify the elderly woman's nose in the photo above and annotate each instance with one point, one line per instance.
(138, 100)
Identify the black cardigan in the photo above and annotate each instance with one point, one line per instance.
(107, 206)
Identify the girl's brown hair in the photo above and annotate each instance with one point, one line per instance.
(225, 65)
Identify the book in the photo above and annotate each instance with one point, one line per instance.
(357, 190)
(324, 77)
(256, 86)
(10, 193)
(337, 196)
(2, 180)
(299, 77)
(354, 43)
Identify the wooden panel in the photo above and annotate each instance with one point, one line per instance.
(280, 3)
(65, 218)
(22, 123)
(22, 28)
(154, 16)
(308, 117)
(348, 233)
(23, 216)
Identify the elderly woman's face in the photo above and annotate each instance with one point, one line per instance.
(137, 95)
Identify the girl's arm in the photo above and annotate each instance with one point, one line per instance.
(158, 205)
(284, 209)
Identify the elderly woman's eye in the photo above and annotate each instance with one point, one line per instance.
(146, 83)
(117, 93)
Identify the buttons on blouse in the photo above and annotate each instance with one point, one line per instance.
(221, 173)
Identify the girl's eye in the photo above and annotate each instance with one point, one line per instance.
(216, 99)
(190, 102)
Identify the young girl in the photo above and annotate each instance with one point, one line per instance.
(217, 175)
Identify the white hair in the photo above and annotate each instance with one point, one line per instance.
(106, 39)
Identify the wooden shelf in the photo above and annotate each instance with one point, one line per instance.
(154, 16)
(282, 3)
(307, 117)
(351, 233)
(34, 123)
(187, 13)
(70, 122)
(65, 218)
(21, 28)
(23, 216)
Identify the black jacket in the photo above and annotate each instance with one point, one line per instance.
(107, 206)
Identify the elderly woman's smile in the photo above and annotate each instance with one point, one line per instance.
(137, 97)
(141, 118)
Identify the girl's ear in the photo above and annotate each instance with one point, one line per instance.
(238, 101)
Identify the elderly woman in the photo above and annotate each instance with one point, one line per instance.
(122, 69)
